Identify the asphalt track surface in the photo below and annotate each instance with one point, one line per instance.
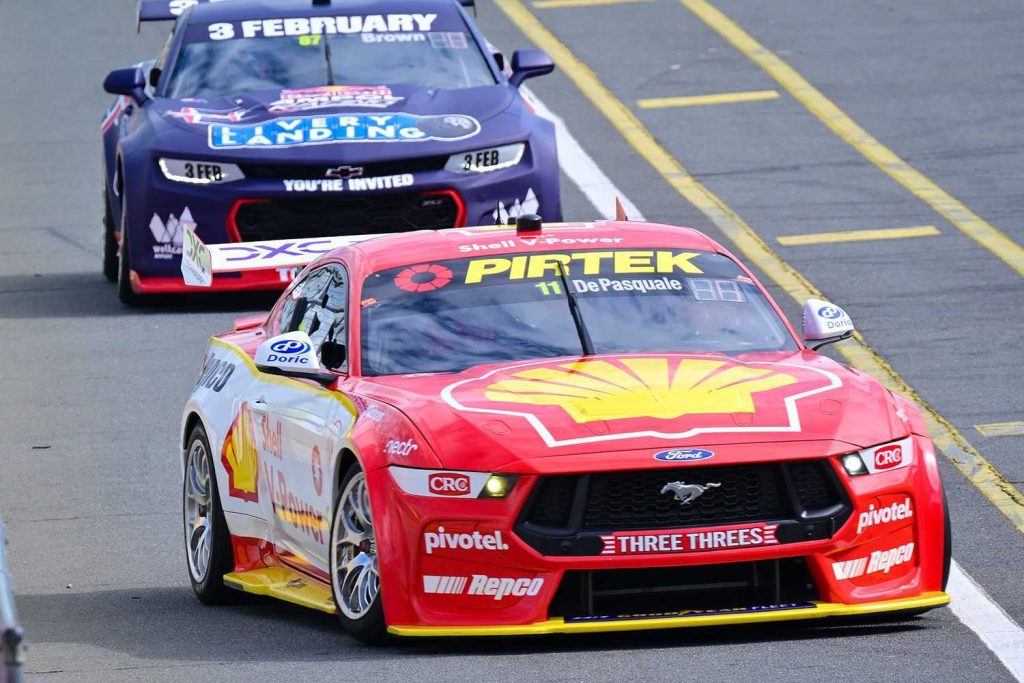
(90, 392)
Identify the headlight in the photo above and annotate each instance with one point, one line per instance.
(486, 160)
(888, 456)
(453, 483)
(199, 172)
(498, 486)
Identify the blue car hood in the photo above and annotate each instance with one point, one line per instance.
(408, 121)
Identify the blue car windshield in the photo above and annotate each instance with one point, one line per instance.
(451, 315)
(208, 69)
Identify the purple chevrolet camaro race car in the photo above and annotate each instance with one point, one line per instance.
(304, 119)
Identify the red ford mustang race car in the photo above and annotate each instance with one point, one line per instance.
(537, 429)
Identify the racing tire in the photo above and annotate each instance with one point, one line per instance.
(208, 553)
(110, 264)
(355, 577)
(947, 552)
(124, 273)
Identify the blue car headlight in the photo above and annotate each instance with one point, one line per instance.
(199, 172)
(486, 160)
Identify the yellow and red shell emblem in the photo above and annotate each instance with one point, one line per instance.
(664, 396)
(240, 458)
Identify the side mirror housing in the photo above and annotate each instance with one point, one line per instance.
(528, 64)
(130, 82)
(825, 323)
(292, 355)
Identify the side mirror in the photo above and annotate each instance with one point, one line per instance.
(130, 82)
(292, 355)
(825, 323)
(529, 63)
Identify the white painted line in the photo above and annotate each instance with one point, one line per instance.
(969, 601)
(997, 629)
(582, 169)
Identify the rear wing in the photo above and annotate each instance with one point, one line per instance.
(162, 10)
(200, 261)
(167, 10)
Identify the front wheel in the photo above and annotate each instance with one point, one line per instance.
(947, 541)
(207, 543)
(110, 265)
(355, 576)
(124, 276)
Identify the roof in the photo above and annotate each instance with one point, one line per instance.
(391, 251)
(237, 10)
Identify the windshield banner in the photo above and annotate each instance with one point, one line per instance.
(279, 27)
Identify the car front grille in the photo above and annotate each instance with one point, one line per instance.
(319, 171)
(350, 215)
(566, 514)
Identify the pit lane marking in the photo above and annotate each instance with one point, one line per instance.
(1001, 429)
(954, 446)
(950, 208)
(857, 235)
(556, 4)
(700, 100)
(979, 612)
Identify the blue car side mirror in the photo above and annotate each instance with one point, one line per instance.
(529, 63)
(130, 82)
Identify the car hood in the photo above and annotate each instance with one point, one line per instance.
(422, 121)
(512, 416)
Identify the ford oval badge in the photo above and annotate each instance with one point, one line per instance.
(684, 455)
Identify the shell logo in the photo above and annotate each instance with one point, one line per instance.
(240, 458)
(660, 388)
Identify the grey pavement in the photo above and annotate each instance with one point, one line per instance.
(91, 392)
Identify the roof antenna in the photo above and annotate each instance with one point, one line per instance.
(528, 225)
(620, 211)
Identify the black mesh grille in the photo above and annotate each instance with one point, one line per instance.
(317, 171)
(567, 514)
(351, 215)
(813, 487)
(553, 503)
(633, 500)
(618, 592)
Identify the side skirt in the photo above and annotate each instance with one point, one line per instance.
(284, 584)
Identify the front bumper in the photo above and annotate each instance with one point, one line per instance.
(480, 577)
(689, 619)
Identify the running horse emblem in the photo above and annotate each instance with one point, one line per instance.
(687, 493)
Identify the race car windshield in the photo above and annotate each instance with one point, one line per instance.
(208, 69)
(451, 315)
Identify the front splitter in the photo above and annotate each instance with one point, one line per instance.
(684, 619)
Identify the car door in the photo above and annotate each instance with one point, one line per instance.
(309, 423)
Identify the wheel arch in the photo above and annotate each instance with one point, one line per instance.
(191, 420)
(346, 458)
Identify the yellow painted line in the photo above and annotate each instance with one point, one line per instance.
(699, 100)
(695, 619)
(555, 4)
(947, 438)
(858, 236)
(971, 224)
(1001, 429)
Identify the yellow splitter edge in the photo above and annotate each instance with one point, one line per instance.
(642, 623)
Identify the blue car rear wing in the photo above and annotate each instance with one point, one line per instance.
(200, 261)
(168, 10)
(162, 10)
